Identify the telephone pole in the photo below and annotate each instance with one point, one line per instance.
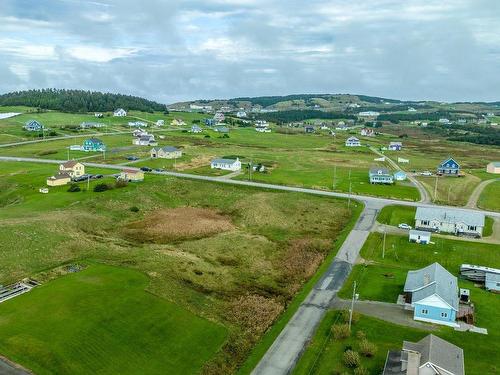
(435, 189)
(354, 296)
(383, 246)
(334, 176)
(349, 199)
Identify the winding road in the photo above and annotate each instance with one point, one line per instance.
(474, 197)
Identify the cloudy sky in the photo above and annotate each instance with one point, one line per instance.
(172, 50)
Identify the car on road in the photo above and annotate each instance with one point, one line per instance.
(146, 169)
(404, 226)
(96, 176)
(426, 173)
(159, 170)
(132, 158)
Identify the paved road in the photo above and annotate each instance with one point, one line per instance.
(474, 197)
(284, 353)
(367, 200)
(424, 194)
(6, 368)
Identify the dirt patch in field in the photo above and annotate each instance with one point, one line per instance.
(199, 161)
(176, 224)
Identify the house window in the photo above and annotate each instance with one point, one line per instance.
(425, 222)
(425, 311)
(472, 227)
(444, 315)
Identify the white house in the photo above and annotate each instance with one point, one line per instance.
(419, 236)
(167, 152)
(444, 121)
(219, 117)
(137, 124)
(368, 114)
(241, 114)
(196, 129)
(458, 222)
(160, 122)
(120, 112)
(145, 140)
(263, 129)
(352, 142)
(226, 164)
(73, 168)
(177, 122)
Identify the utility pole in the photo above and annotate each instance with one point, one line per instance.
(88, 183)
(435, 189)
(449, 191)
(349, 200)
(334, 176)
(383, 246)
(354, 296)
(68, 153)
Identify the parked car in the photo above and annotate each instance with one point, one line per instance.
(426, 173)
(404, 226)
(159, 170)
(132, 158)
(96, 176)
(83, 177)
(146, 169)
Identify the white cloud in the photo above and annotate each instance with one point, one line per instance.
(100, 54)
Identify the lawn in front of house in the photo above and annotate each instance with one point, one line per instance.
(453, 191)
(101, 320)
(395, 215)
(490, 197)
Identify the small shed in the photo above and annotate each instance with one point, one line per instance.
(492, 282)
(400, 176)
(419, 236)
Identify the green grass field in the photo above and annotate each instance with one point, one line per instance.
(102, 321)
(489, 198)
(221, 252)
(395, 215)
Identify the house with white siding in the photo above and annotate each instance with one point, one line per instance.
(120, 112)
(352, 142)
(226, 164)
(458, 222)
(166, 152)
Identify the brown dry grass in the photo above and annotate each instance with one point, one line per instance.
(196, 162)
(163, 226)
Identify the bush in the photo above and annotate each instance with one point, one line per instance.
(73, 188)
(47, 152)
(345, 316)
(225, 136)
(134, 209)
(101, 187)
(361, 335)
(207, 136)
(351, 359)
(367, 348)
(361, 371)
(120, 184)
(340, 331)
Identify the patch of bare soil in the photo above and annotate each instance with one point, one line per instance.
(199, 161)
(163, 226)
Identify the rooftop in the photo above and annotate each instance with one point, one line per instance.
(450, 215)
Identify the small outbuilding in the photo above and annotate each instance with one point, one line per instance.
(131, 175)
(59, 179)
(419, 236)
(400, 176)
(493, 167)
(492, 282)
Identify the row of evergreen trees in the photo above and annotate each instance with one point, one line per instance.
(78, 101)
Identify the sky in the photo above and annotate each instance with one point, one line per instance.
(176, 50)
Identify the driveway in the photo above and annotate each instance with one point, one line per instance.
(474, 197)
(390, 312)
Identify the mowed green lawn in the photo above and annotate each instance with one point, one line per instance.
(101, 321)
(490, 197)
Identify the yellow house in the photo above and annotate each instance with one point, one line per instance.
(131, 175)
(493, 167)
(59, 179)
(73, 168)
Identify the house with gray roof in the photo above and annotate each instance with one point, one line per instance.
(430, 356)
(166, 152)
(226, 164)
(458, 222)
(380, 175)
(432, 292)
(492, 281)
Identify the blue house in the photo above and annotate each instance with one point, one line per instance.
(209, 122)
(400, 176)
(379, 175)
(93, 144)
(33, 126)
(449, 167)
(433, 293)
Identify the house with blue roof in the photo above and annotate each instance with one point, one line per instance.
(448, 167)
(33, 126)
(432, 292)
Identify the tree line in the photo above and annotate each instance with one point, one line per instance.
(78, 101)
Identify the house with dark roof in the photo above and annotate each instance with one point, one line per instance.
(395, 146)
(120, 112)
(226, 164)
(448, 167)
(432, 292)
(380, 175)
(459, 222)
(166, 152)
(352, 142)
(430, 356)
(33, 126)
